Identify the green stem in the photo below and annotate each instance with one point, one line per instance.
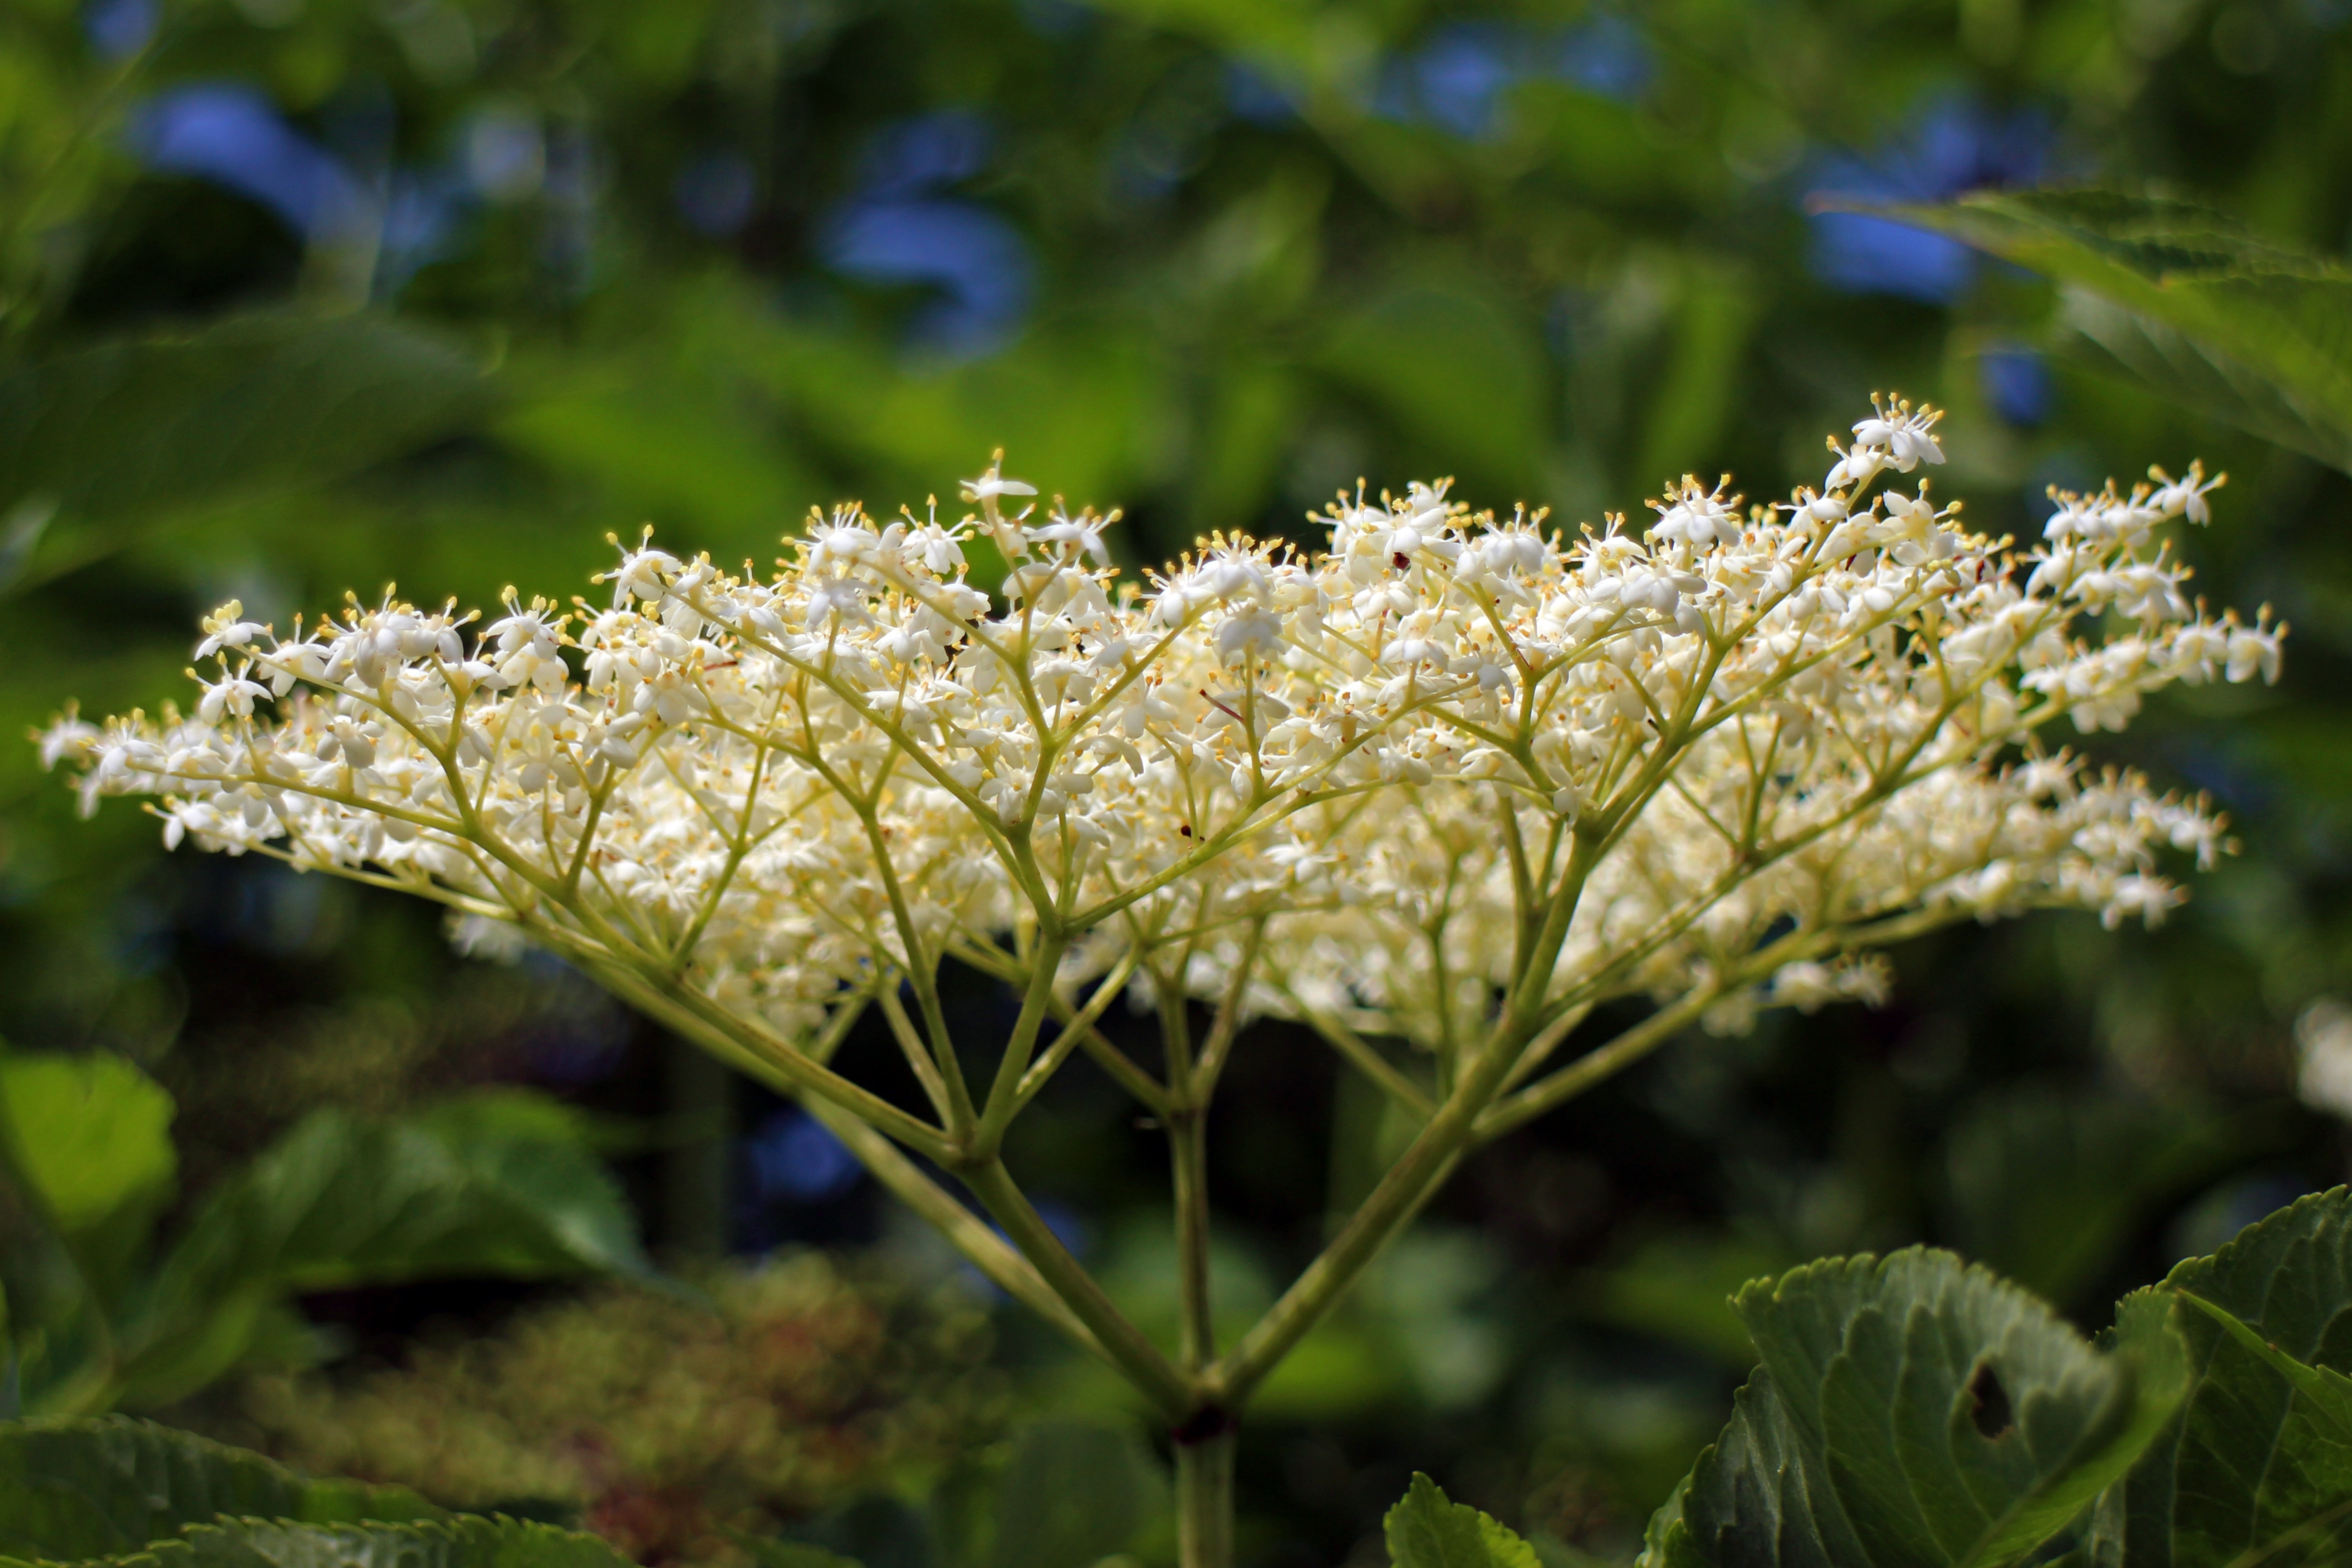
(1127, 1346)
(964, 1230)
(1204, 1496)
(1409, 1183)
(1004, 1094)
(1424, 1166)
(1188, 1160)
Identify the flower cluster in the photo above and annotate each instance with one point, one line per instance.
(1451, 774)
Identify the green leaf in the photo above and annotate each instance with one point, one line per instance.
(2329, 1392)
(99, 1487)
(465, 1541)
(779, 1554)
(2046, 1186)
(89, 1136)
(2255, 1464)
(1455, 372)
(1910, 1410)
(1073, 1492)
(140, 429)
(1426, 1530)
(887, 1531)
(479, 1186)
(1678, 1285)
(2186, 300)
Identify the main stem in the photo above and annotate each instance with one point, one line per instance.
(1204, 1498)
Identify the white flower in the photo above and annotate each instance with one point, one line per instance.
(1251, 629)
(643, 573)
(2176, 498)
(230, 695)
(1906, 434)
(994, 483)
(227, 627)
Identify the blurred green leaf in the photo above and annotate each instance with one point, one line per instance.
(1909, 1410)
(1068, 1494)
(666, 430)
(1426, 1530)
(465, 1541)
(2255, 1465)
(2047, 1186)
(1688, 414)
(2186, 299)
(137, 430)
(479, 1186)
(1455, 372)
(791, 1554)
(1679, 1287)
(1074, 1491)
(107, 1487)
(885, 1531)
(340, 1199)
(88, 1136)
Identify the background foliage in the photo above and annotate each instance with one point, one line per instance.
(303, 294)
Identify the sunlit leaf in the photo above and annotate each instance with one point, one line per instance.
(90, 1135)
(2186, 300)
(1427, 1530)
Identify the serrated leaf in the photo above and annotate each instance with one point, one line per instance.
(465, 1541)
(2104, 337)
(1428, 1530)
(2253, 1467)
(2327, 1391)
(1910, 1410)
(1760, 1494)
(2185, 299)
(109, 1486)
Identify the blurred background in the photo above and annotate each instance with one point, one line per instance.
(299, 296)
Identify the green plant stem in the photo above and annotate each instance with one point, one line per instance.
(1408, 1184)
(1188, 1161)
(1127, 1346)
(1424, 1166)
(742, 1041)
(1004, 1094)
(982, 1247)
(1205, 1498)
(1359, 1054)
(964, 1230)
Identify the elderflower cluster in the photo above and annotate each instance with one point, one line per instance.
(1726, 755)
